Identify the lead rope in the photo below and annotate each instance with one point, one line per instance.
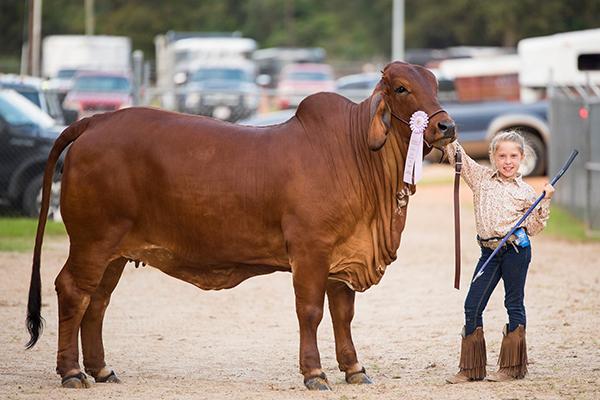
(457, 171)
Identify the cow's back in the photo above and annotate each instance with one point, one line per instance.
(205, 190)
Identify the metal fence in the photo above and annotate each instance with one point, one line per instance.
(575, 124)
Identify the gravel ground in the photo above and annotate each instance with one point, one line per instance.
(169, 340)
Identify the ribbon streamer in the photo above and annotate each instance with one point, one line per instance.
(413, 167)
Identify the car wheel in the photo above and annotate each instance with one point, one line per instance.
(534, 163)
(32, 199)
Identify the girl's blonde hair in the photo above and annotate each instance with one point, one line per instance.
(507, 136)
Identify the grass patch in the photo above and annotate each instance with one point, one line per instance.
(565, 226)
(18, 234)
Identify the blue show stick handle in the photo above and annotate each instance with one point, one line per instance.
(533, 206)
(564, 168)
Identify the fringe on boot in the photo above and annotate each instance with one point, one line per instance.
(473, 358)
(513, 353)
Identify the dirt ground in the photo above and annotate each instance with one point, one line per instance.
(169, 340)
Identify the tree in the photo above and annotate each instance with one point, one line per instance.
(347, 29)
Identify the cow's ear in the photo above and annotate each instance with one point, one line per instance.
(380, 122)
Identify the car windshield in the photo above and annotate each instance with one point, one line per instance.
(32, 96)
(308, 76)
(220, 74)
(17, 110)
(101, 84)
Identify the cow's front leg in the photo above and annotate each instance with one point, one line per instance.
(341, 307)
(310, 281)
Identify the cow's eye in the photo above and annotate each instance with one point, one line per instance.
(401, 89)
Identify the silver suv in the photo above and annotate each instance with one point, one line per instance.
(223, 92)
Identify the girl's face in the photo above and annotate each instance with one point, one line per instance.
(507, 159)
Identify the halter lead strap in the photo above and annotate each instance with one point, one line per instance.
(457, 172)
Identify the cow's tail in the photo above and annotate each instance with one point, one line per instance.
(35, 322)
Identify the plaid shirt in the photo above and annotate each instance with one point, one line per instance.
(499, 203)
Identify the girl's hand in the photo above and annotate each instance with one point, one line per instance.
(549, 189)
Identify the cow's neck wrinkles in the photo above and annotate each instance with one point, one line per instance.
(393, 154)
(381, 173)
(387, 162)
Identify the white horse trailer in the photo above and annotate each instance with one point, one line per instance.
(558, 60)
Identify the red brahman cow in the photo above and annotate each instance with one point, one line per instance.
(211, 203)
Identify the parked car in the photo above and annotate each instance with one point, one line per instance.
(300, 80)
(26, 137)
(225, 92)
(269, 118)
(61, 84)
(38, 92)
(97, 92)
(271, 60)
(357, 87)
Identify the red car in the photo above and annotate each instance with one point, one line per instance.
(97, 92)
(300, 80)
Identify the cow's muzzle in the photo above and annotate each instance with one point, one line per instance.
(445, 132)
(447, 128)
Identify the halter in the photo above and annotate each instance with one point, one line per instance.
(408, 124)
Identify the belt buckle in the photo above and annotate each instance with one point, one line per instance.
(488, 244)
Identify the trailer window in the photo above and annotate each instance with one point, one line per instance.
(588, 62)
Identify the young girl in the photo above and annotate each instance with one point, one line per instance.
(500, 198)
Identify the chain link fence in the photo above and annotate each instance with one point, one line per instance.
(575, 124)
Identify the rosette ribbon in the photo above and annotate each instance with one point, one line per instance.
(413, 167)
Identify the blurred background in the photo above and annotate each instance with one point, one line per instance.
(517, 64)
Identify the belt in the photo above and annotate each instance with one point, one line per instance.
(492, 243)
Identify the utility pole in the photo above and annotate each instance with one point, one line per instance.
(90, 19)
(34, 33)
(398, 30)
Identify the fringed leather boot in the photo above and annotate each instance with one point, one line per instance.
(513, 356)
(472, 358)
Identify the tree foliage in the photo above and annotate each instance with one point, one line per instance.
(347, 29)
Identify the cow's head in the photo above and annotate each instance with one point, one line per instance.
(403, 89)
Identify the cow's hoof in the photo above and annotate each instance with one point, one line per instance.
(358, 378)
(110, 378)
(78, 381)
(317, 382)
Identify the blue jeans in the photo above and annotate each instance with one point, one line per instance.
(509, 265)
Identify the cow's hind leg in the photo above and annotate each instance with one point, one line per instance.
(341, 307)
(91, 325)
(310, 281)
(75, 285)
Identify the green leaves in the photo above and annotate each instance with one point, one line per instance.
(347, 29)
